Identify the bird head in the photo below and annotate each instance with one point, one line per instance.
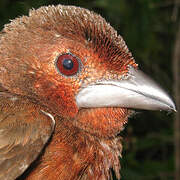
(71, 61)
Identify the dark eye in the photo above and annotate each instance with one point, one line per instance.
(68, 64)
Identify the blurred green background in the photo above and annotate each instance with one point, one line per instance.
(148, 29)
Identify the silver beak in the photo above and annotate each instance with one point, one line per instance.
(137, 91)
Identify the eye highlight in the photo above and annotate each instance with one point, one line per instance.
(68, 64)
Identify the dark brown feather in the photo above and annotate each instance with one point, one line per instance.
(24, 130)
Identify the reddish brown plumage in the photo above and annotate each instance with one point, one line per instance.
(74, 154)
(102, 122)
(84, 144)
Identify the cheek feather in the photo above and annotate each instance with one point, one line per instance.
(58, 97)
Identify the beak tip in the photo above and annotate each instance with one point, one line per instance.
(173, 108)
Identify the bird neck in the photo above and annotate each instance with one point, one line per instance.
(104, 123)
(73, 153)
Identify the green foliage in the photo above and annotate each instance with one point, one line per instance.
(148, 31)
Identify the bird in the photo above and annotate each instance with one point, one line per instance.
(68, 84)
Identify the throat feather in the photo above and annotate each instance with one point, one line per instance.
(84, 155)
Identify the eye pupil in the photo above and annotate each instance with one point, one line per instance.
(68, 64)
